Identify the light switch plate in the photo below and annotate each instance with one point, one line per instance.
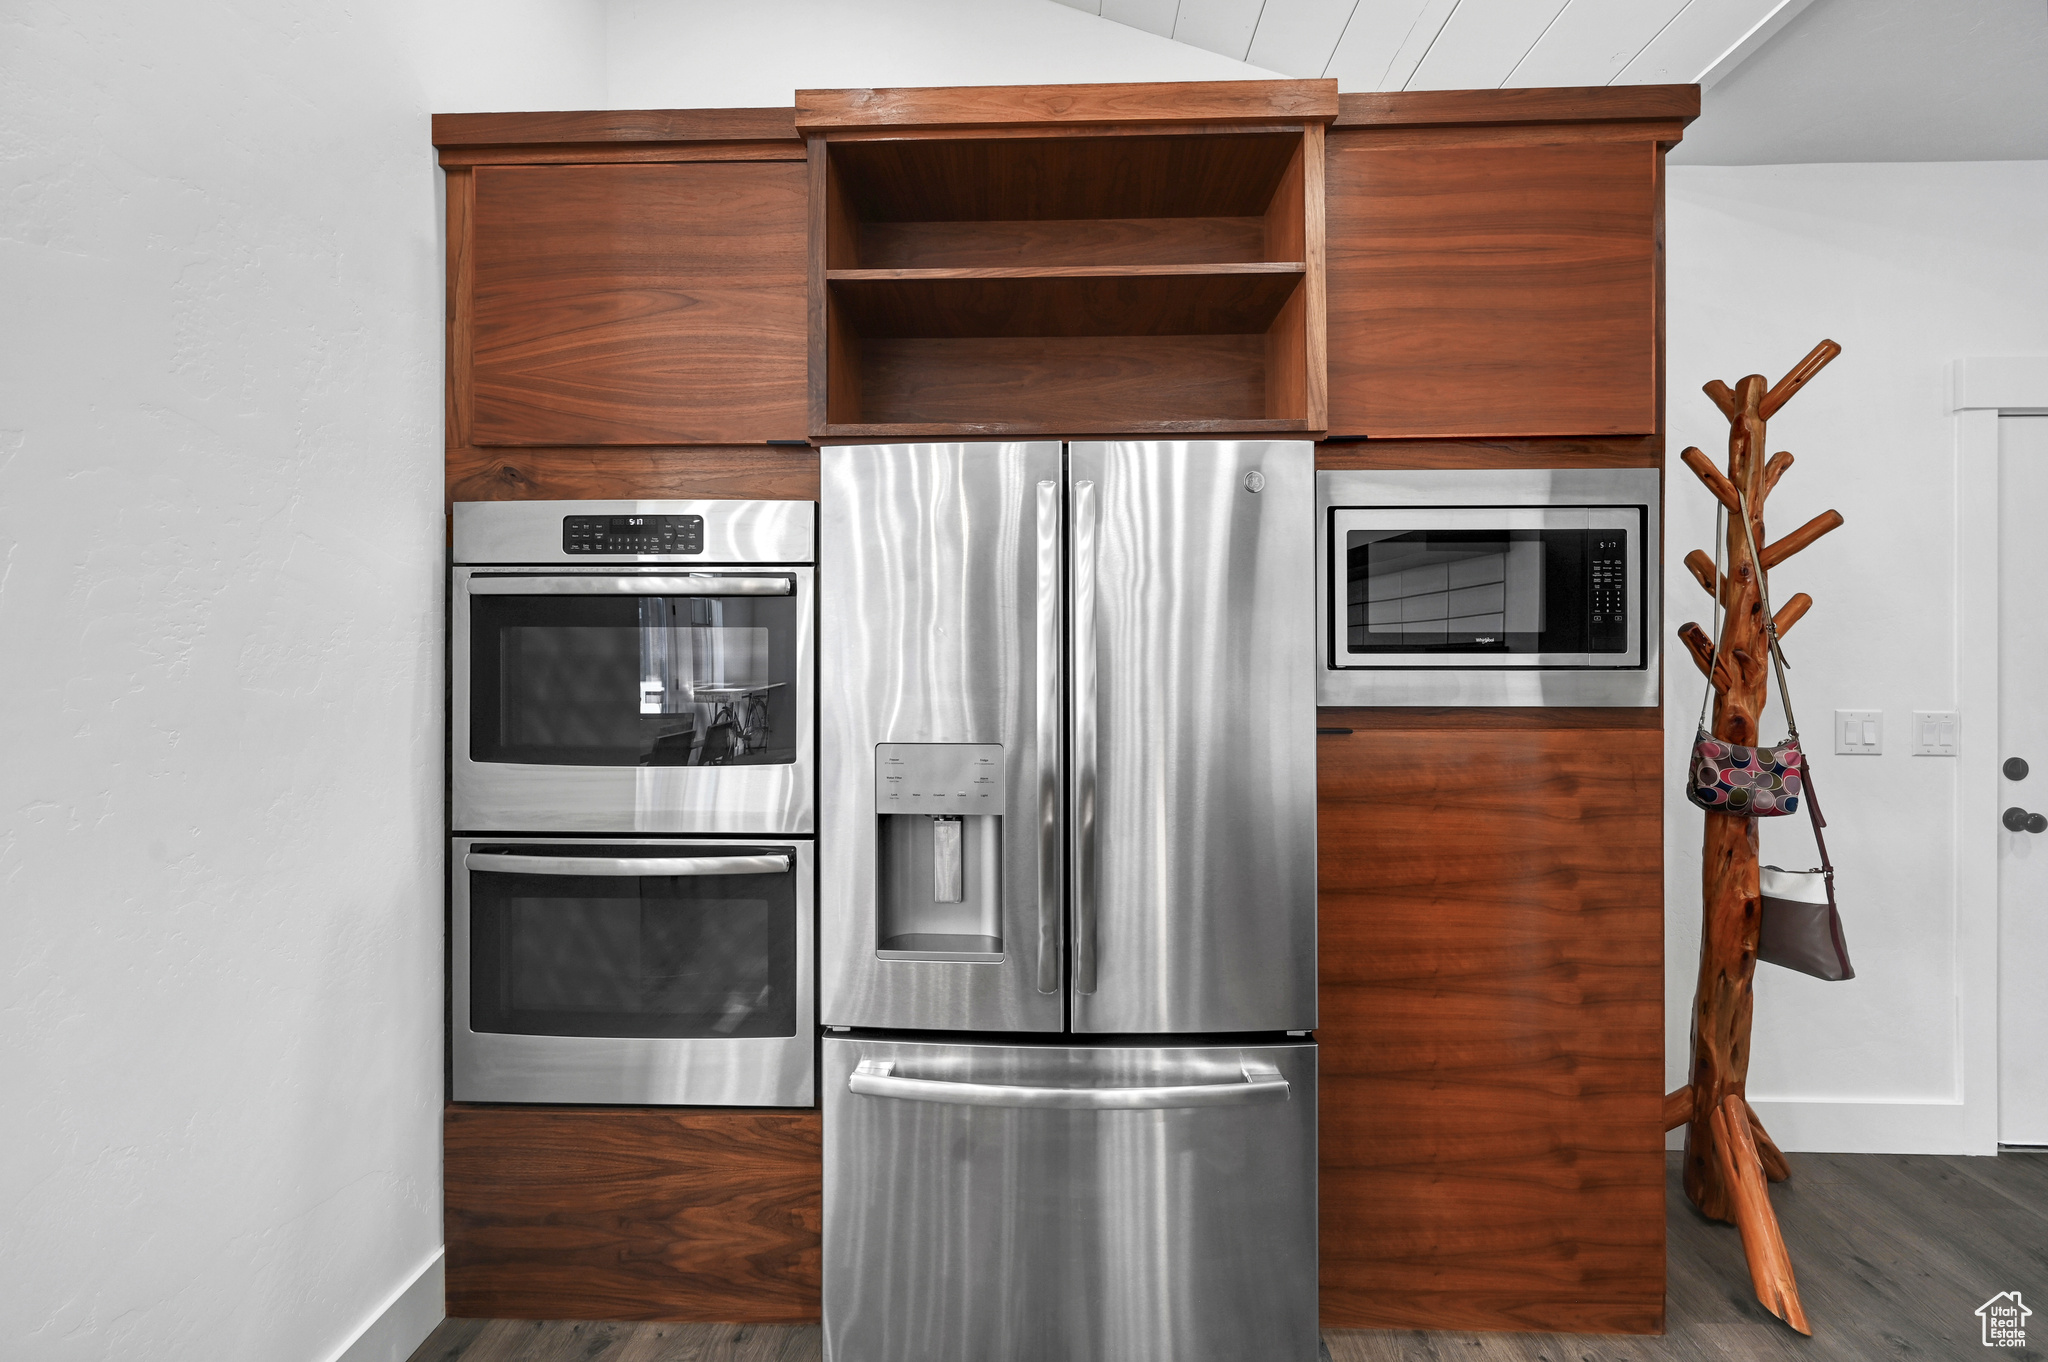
(1859, 732)
(1936, 732)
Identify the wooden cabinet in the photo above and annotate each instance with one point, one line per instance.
(1492, 1020)
(638, 301)
(643, 292)
(1021, 261)
(637, 304)
(1495, 262)
(633, 1213)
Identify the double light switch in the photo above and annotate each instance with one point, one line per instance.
(1860, 732)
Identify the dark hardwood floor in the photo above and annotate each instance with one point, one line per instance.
(1894, 1255)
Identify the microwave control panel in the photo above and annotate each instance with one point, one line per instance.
(632, 534)
(1609, 604)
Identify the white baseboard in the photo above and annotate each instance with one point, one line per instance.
(403, 1322)
(1870, 1127)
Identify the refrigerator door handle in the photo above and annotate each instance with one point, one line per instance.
(1262, 1083)
(1084, 737)
(1048, 737)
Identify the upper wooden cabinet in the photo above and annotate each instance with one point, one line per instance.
(1495, 261)
(640, 292)
(1067, 259)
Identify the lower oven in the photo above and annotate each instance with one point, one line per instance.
(633, 970)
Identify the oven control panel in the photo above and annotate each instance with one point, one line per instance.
(632, 534)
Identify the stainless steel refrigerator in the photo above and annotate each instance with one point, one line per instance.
(1067, 901)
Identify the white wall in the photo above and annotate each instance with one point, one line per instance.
(1908, 266)
(696, 54)
(220, 659)
(220, 600)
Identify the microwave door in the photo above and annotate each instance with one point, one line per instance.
(1434, 588)
(1192, 769)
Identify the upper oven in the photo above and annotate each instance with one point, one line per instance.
(633, 667)
(1488, 587)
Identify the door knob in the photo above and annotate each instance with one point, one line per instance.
(2018, 819)
(2015, 768)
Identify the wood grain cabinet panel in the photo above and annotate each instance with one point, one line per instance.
(649, 304)
(633, 1213)
(1503, 290)
(1492, 1028)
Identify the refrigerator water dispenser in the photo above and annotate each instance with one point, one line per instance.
(939, 835)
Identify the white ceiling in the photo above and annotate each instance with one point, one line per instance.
(1885, 80)
(1467, 44)
(1786, 81)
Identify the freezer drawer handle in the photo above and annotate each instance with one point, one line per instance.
(1262, 1083)
(511, 864)
(519, 584)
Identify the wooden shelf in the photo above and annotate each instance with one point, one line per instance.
(1059, 241)
(880, 432)
(1239, 298)
(1024, 178)
(1154, 283)
(1229, 267)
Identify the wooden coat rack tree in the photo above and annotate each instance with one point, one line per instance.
(1728, 1154)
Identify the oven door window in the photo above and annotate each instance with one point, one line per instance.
(625, 680)
(1476, 592)
(657, 956)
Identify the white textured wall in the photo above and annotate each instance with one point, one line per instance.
(221, 613)
(220, 658)
(694, 54)
(1908, 266)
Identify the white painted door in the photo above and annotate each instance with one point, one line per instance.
(2023, 733)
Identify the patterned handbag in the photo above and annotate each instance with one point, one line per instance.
(1748, 782)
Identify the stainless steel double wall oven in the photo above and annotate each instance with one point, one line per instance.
(632, 778)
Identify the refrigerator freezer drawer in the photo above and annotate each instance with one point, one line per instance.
(1060, 1203)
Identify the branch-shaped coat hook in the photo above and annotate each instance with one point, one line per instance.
(1729, 1157)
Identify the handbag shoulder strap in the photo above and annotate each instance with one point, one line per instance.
(1813, 812)
(1714, 657)
(1763, 587)
(1785, 693)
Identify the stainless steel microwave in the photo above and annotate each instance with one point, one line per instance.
(1488, 587)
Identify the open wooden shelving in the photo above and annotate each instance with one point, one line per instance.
(1074, 280)
(1074, 300)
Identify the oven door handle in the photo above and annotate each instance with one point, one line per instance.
(512, 863)
(520, 584)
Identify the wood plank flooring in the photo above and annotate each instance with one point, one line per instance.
(1894, 1254)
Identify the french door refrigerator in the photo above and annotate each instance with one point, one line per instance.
(1067, 901)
